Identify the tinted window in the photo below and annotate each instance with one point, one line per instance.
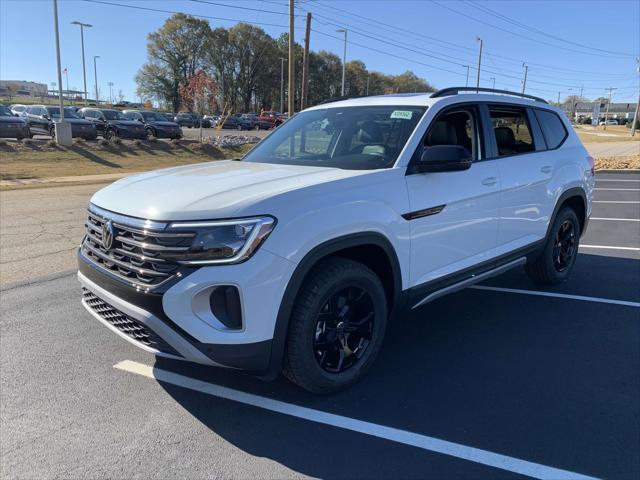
(454, 128)
(5, 112)
(88, 114)
(112, 115)
(552, 128)
(512, 131)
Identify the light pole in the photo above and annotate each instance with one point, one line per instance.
(466, 83)
(84, 69)
(282, 60)
(524, 82)
(95, 76)
(479, 62)
(110, 92)
(493, 79)
(344, 58)
(62, 128)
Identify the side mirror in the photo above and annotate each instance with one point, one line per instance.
(46, 117)
(444, 158)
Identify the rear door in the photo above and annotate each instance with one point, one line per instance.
(454, 215)
(525, 170)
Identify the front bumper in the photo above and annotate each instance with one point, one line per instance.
(176, 318)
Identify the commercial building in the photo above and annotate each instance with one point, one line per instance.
(22, 88)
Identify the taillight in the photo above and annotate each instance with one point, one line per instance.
(592, 162)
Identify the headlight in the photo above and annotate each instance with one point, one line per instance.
(223, 241)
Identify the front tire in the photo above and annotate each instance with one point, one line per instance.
(554, 264)
(336, 327)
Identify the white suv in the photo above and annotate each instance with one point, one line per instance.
(296, 258)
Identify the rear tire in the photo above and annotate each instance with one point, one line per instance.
(336, 327)
(555, 262)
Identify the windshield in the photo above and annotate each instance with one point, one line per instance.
(113, 115)
(55, 112)
(353, 138)
(5, 112)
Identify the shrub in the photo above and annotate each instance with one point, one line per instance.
(586, 121)
(630, 123)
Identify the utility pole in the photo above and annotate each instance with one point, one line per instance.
(292, 80)
(84, 68)
(635, 115)
(494, 82)
(479, 62)
(581, 90)
(558, 102)
(95, 77)
(524, 82)
(344, 58)
(110, 92)
(305, 65)
(466, 84)
(606, 113)
(368, 77)
(66, 74)
(282, 60)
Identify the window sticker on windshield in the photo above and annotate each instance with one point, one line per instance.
(403, 114)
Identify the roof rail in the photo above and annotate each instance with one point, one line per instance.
(456, 90)
(337, 99)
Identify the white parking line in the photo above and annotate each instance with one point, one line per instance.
(615, 201)
(620, 189)
(616, 219)
(431, 444)
(607, 247)
(558, 295)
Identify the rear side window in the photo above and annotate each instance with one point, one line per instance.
(512, 130)
(552, 128)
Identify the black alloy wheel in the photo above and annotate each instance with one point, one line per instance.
(344, 329)
(564, 247)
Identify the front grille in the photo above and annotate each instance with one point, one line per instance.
(127, 325)
(137, 254)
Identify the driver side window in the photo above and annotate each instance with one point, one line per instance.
(455, 127)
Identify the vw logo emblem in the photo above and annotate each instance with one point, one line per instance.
(108, 233)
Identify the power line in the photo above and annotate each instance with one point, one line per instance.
(489, 11)
(422, 36)
(516, 33)
(240, 7)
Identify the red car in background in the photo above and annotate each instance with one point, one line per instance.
(275, 118)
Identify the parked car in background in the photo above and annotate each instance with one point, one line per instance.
(274, 118)
(41, 118)
(212, 119)
(236, 122)
(112, 123)
(11, 125)
(611, 121)
(256, 122)
(155, 124)
(187, 119)
(18, 109)
(169, 116)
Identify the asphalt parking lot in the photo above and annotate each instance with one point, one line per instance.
(502, 380)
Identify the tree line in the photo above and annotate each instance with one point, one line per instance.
(245, 63)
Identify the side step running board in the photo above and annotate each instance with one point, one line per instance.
(470, 281)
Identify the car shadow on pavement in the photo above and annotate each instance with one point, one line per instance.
(541, 379)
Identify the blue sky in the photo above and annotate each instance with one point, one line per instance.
(432, 38)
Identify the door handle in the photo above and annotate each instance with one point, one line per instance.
(546, 169)
(490, 181)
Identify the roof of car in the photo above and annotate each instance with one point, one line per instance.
(429, 99)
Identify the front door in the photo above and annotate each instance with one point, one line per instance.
(454, 215)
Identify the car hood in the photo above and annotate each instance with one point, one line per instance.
(126, 123)
(4, 119)
(164, 124)
(77, 121)
(219, 189)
